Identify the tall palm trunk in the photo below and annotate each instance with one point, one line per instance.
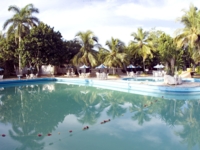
(167, 67)
(113, 70)
(172, 62)
(20, 64)
(144, 64)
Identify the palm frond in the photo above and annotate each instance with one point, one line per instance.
(15, 9)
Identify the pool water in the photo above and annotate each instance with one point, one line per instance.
(53, 115)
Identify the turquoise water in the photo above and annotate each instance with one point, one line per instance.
(136, 121)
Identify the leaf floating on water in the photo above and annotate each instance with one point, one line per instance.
(105, 121)
(86, 127)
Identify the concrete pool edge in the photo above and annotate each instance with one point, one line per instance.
(122, 84)
(132, 85)
(13, 81)
(119, 85)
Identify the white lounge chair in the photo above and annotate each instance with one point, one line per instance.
(132, 74)
(31, 76)
(98, 75)
(87, 75)
(107, 75)
(103, 75)
(35, 76)
(128, 74)
(27, 76)
(67, 74)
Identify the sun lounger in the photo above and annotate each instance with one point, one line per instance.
(98, 75)
(27, 76)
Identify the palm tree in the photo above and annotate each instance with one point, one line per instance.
(115, 55)
(143, 44)
(168, 52)
(87, 54)
(2, 39)
(20, 23)
(190, 35)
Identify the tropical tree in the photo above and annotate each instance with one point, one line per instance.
(154, 35)
(2, 41)
(8, 52)
(116, 55)
(102, 55)
(44, 46)
(73, 47)
(190, 33)
(189, 36)
(169, 52)
(87, 54)
(143, 45)
(20, 23)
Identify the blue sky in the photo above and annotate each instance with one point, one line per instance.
(106, 18)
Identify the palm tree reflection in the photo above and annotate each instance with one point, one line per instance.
(116, 102)
(88, 100)
(30, 111)
(27, 137)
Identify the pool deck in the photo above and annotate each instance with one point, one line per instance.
(119, 79)
(188, 85)
(188, 89)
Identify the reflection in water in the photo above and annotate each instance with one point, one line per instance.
(54, 115)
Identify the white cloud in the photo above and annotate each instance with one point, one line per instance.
(148, 10)
(108, 18)
(153, 139)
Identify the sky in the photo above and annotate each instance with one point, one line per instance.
(105, 18)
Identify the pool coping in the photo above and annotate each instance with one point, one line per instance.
(17, 81)
(135, 86)
(120, 85)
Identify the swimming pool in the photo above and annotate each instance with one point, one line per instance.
(47, 112)
(53, 114)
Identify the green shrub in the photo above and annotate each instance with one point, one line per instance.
(180, 71)
(198, 69)
(114, 75)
